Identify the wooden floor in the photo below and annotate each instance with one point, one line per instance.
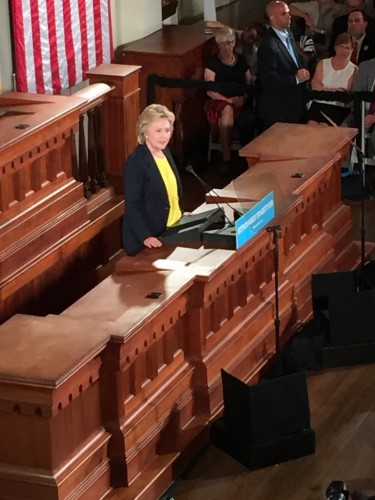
(342, 405)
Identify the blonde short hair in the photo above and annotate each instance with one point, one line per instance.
(225, 35)
(148, 115)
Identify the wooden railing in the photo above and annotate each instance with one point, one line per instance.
(89, 162)
(49, 167)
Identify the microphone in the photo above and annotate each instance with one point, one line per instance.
(208, 188)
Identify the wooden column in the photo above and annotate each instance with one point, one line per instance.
(52, 442)
(120, 113)
(146, 380)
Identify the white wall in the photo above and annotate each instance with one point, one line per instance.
(5, 47)
(133, 19)
(191, 8)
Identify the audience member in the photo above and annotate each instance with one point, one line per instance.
(248, 44)
(247, 41)
(365, 81)
(282, 72)
(340, 24)
(152, 183)
(336, 74)
(305, 43)
(224, 111)
(364, 47)
(319, 16)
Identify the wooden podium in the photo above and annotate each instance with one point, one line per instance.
(52, 441)
(286, 141)
(163, 326)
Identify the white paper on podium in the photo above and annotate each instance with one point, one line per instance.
(209, 10)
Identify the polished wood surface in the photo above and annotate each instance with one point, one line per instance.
(215, 310)
(180, 315)
(175, 51)
(40, 200)
(51, 235)
(120, 114)
(287, 141)
(52, 441)
(342, 410)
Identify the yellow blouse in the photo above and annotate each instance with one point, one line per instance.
(171, 185)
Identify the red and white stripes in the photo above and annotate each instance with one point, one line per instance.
(57, 41)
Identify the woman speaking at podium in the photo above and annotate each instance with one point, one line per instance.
(152, 183)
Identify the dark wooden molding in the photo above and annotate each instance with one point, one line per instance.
(168, 8)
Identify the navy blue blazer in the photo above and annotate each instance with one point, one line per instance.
(146, 199)
(281, 98)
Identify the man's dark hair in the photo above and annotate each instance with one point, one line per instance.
(364, 15)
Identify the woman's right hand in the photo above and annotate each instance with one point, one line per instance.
(152, 242)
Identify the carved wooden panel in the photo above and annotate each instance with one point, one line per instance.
(147, 368)
(53, 444)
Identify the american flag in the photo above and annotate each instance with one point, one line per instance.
(57, 41)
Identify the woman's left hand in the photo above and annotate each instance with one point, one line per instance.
(152, 242)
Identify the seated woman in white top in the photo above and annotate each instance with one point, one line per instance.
(336, 74)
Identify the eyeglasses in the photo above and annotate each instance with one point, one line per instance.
(227, 42)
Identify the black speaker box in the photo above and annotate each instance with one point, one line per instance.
(351, 188)
(325, 285)
(351, 318)
(345, 305)
(368, 275)
(351, 329)
(266, 423)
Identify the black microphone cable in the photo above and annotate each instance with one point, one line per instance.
(208, 188)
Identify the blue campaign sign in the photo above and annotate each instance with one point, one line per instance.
(255, 219)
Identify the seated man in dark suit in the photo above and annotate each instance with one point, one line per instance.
(282, 72)
(340, 24)
(365, 41)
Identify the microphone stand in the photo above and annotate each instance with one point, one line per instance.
(361, 161)
(275, 232)
(208, 188)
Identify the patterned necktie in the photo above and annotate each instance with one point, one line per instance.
(354, 56)
(290, 49)
(372, 104)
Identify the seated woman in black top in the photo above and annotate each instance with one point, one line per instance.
(223, 111)
(152, 184)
